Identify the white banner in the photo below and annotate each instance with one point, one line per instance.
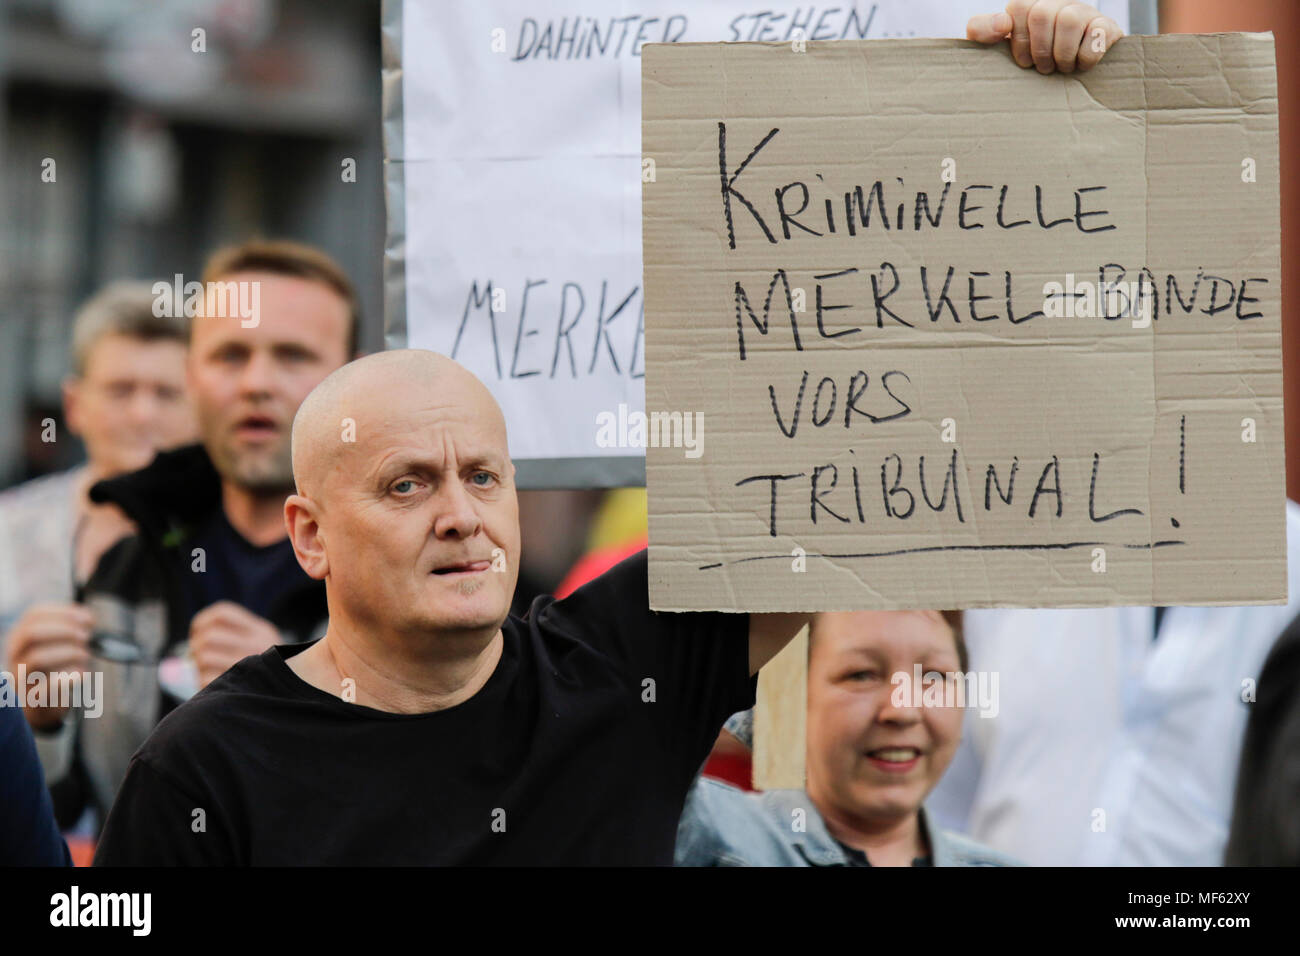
(512, 136)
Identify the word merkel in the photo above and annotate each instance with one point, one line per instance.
(797, 207)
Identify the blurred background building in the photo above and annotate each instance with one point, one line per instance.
(173, 126)
(138, 135)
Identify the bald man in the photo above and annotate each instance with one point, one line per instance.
(428, 725)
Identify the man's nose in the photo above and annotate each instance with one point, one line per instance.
(457, 516)
(258, 374)
(143, 407)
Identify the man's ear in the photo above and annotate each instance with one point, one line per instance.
(300, 520)
(72, 404)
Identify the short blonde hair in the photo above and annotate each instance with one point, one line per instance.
(285, 257)
(125, 307)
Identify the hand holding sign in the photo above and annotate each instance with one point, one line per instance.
(1049, 34)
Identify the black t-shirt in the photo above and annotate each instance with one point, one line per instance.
(579, 749)
(235, 570)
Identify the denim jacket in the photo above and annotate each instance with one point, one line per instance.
(724, 826)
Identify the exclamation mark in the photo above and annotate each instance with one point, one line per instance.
(1182, 461)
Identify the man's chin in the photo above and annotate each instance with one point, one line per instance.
(257, 475)
(485, 616)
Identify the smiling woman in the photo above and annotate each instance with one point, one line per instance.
(872, 758)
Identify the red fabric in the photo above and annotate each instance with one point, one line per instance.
(735, 769)
(82, 850)
(595, 563)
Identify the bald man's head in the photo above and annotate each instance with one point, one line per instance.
(327, 422)
(406, 502)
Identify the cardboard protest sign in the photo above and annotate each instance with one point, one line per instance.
(924, 329)
(513, 170)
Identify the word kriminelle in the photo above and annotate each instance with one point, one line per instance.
(83, 691)
(794, 206)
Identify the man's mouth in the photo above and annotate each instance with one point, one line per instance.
(467, 567)
(894, 759)
(257, 427)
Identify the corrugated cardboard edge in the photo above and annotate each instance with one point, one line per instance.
(390, 31)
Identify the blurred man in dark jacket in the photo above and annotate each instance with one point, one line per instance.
(210, 577)
(1265, 828)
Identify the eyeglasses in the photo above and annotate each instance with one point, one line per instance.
(120, 648)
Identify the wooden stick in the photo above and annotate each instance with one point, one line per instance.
(780, 718)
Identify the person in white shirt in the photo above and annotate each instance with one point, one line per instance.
(1114, 744)
(126, 399)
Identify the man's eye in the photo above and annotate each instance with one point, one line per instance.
(404, 486)
(862, 675)
(483, 474)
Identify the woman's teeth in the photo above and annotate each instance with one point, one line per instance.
(896, 754)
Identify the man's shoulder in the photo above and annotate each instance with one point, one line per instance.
(214, 718)
(621, 595)
(178, 488)
(36, 533)
(38, 498)
(591, 613)
(612, 614)
(627, 580)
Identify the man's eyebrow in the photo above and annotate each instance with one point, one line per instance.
(227, 343)
(489, 459)
(402, 463)
(292, 345)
